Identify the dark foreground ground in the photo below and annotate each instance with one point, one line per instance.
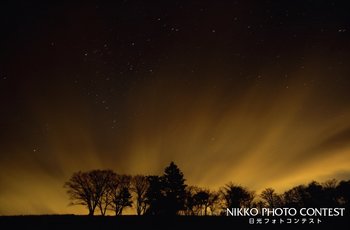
(180, 222)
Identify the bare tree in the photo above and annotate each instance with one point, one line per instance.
(189, 201)
(272, 199)
(295, 197)
(214, 202)
(120, 193)
(330, 184)
(87, 188)
(259, 204)
(201, 201)
(140, 185)
(106, 199)
(236, 196)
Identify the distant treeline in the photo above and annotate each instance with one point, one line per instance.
(169, 195)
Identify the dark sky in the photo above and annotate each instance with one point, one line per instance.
(254, 92)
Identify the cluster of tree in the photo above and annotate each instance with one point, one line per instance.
(100, 188)
(169, 195)
(106, 190)
(329, 194)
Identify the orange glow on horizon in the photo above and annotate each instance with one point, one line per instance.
(263, 139)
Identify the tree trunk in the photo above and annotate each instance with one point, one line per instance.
(91, 212)
(102, 210)
(138, 211)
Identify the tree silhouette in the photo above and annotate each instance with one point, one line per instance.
(343, 193)
(120, 194)
(295, 197)
(199, 201)
(312, 195)
(169, 195)
(330, 193)
(106, 199)
(122, 200)
(174, 189)
(214, 202)
(272, 199)
(154, 196)
(166, 194)
(315, 195)
(236, 196)
(189, 200)
(87, 188)
(196, 200)
(140, 185)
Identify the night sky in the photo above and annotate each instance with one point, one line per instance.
(254, 92)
